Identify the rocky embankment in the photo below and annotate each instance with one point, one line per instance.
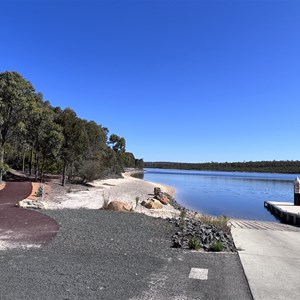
(193, 233)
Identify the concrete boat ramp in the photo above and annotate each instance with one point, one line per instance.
(270, 255)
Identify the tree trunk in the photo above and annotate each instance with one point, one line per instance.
(63, 183)
(30, 162)
(36, 166)
(1, 163)
(42, 171)
(23, 161)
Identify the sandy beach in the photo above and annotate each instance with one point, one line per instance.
(125, 189)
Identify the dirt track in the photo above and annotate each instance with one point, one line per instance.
(22, 227)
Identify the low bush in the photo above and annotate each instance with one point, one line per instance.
(194, 243)
(217, 246)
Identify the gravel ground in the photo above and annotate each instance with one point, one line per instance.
(96, 255)
(109, 255)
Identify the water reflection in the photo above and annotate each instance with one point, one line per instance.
(234, 194)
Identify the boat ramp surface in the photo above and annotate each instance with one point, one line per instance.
(270, 255)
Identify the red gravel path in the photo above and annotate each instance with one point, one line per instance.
(23, 227)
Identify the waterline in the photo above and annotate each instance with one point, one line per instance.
(234, 194)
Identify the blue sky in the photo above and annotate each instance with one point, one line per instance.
(188, 81)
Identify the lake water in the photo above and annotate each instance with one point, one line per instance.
(234, 194)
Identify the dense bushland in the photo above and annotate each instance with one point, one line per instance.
(38, 138)
(284, 166)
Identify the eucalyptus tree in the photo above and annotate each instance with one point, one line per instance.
(74, 138)
(91, 166)
(16, 93)
(96, 139)
(50, 145)
(128, 160)
(43, 135)
(118, 143)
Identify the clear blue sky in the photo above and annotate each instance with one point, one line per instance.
(188, 81)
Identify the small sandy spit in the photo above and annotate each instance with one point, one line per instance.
(125, 189)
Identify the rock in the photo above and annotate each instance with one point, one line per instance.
(177, 244)
(207, 235)
(27, 203)
(157, 191)
(152, 204)
(118, 206)
(164, 199)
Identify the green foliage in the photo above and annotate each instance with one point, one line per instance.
(90, 170)
(217, 246)
(35, 135)
(182, 219)
(16, 94)
(128, 160)
(284, 166)
(183, 214)
(40, 191)
(118, 143)
(139, 163)
(4, 168)
(194, 243)
(221, 222)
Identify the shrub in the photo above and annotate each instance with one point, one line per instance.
(137, 199)
(217, 246)
(39, 192)
(194, 243)
(221, 222)
(105, 201)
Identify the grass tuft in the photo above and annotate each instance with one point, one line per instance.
(220, 222)
(217, 246)
(194, 243)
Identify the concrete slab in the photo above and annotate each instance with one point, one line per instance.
(287, 212)
(281, 203)
(197, 273)
(271, 261)
(290, 209)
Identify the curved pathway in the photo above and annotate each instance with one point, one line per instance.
(22, 227)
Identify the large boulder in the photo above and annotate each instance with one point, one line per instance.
(27, 203)
(118, 206)
(152, 204)
(160, 196)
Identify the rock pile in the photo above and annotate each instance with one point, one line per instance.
(210, 237)
(27, 203)
(158, 200)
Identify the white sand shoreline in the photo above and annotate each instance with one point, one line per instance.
(125, 189)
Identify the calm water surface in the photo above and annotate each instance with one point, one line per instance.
(234, 194)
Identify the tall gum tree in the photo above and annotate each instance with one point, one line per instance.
(16, 93)
(43, 135)
(74, 138)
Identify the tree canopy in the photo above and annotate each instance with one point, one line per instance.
(284, 166)
(39, 138)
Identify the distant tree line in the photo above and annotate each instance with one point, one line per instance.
(283, 166)
(38, 138)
